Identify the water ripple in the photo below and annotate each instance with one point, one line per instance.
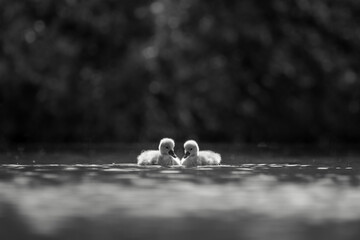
(46, 197)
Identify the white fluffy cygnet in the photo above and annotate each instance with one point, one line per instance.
(193, 157)
(165, 156)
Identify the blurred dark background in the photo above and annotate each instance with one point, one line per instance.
(219, 71)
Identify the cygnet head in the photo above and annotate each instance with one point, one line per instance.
(166, 147)
(191, 148)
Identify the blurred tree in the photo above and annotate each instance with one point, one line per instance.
(69, 70)
(255, 71)
(249, 70)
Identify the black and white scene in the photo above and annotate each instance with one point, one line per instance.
(179, 119)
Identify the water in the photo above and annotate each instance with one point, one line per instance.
(258, 193)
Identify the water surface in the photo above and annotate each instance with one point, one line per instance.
(256, 193)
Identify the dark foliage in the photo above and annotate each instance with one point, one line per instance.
(248, 70)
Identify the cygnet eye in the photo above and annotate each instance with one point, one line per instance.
(190, 149)
(167, 147)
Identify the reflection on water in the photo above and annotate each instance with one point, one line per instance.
(125, 201)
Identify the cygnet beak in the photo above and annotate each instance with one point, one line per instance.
(171, 153)
(187, 153)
